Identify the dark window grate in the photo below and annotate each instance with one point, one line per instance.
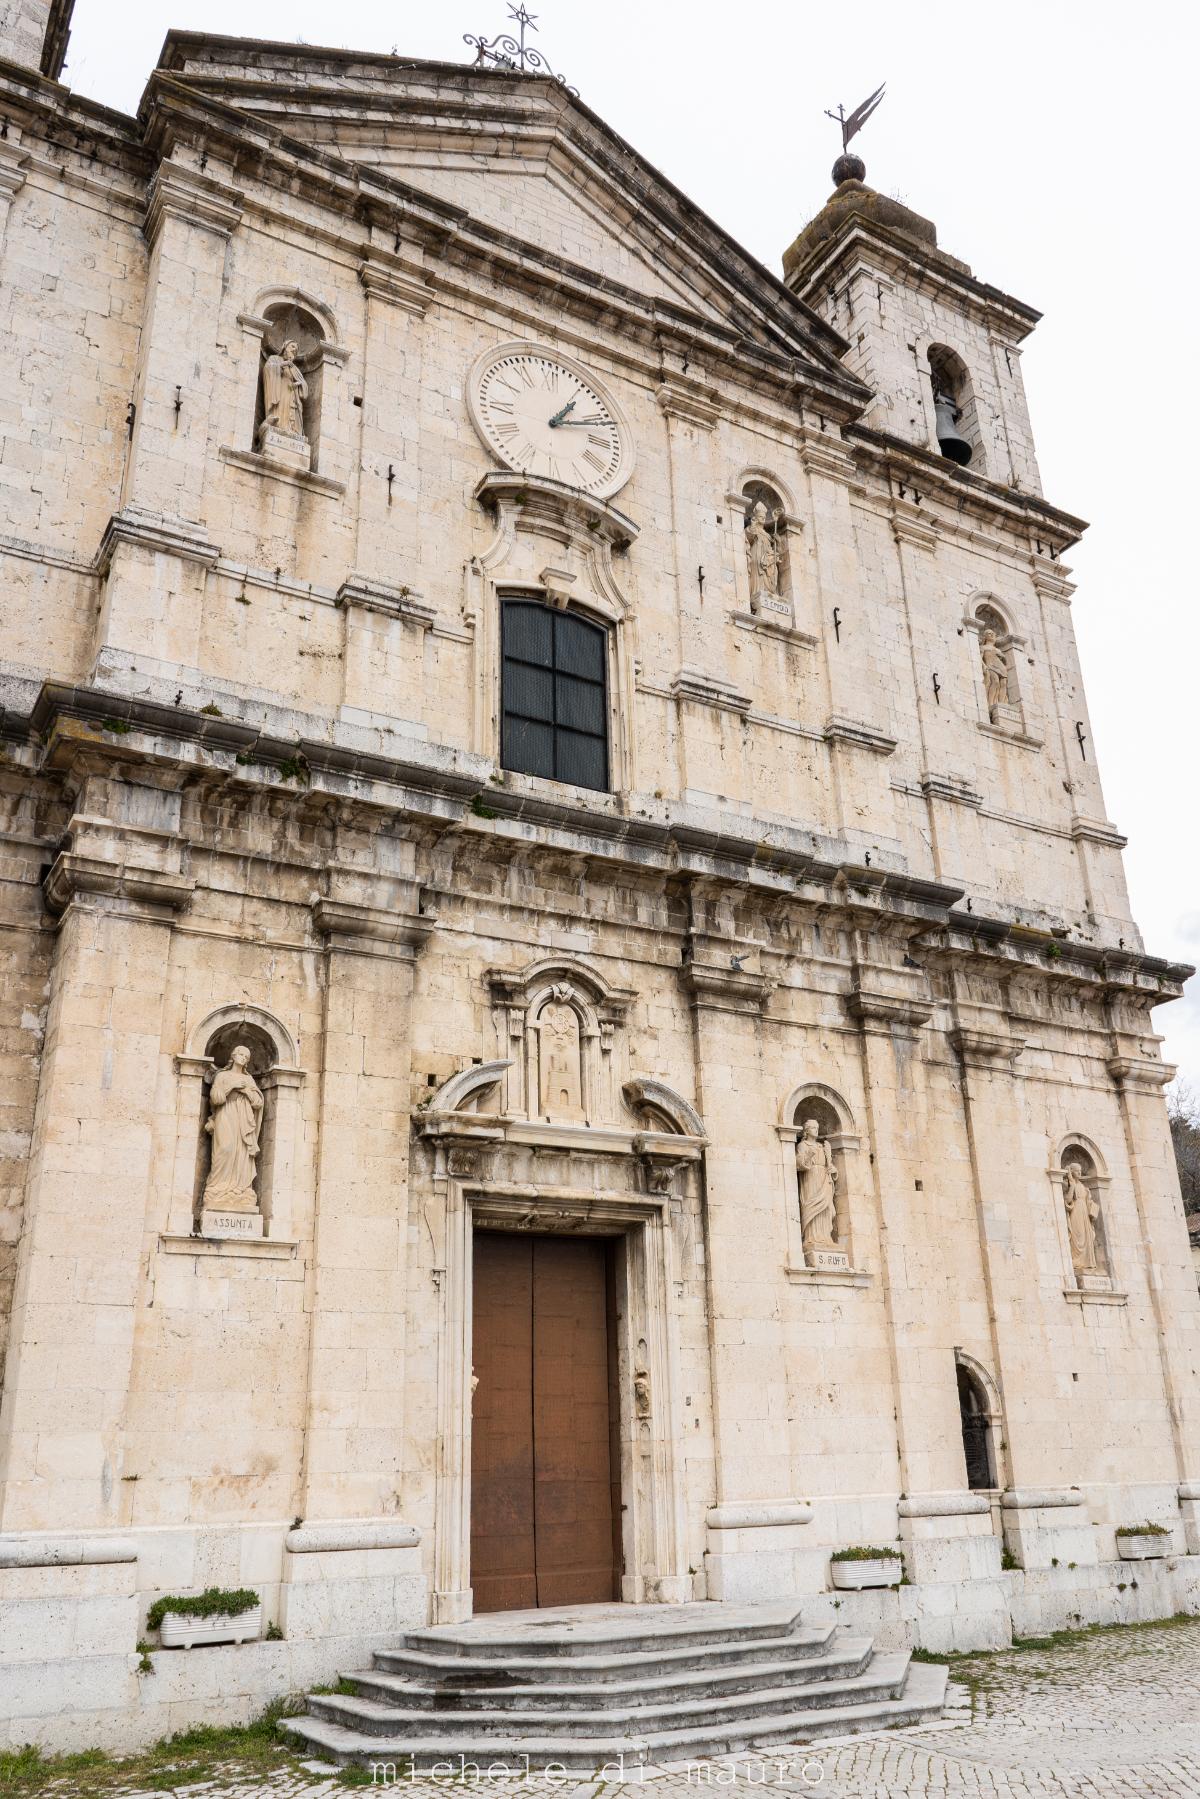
(554, 704)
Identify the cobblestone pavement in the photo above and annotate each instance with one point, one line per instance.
(1112, 1714)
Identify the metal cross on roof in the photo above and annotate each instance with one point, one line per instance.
(507, 52)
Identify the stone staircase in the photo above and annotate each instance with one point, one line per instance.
(587, 1685)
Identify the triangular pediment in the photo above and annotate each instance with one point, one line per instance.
(526, 160)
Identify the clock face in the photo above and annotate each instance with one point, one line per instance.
(544, 416)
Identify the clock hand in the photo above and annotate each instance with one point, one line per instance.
(561, 414)
(592, 421)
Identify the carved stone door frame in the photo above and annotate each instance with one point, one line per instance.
(650, 1424)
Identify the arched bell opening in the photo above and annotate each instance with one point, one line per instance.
(956, 425)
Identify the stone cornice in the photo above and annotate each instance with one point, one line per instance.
(431, 788)
(906, 259)
(944, 483)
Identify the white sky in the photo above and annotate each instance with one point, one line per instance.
(1052, 142)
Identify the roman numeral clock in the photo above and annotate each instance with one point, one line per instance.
(544, 415)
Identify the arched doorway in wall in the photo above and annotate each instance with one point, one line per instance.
(975, 1417)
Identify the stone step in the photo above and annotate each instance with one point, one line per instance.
(534, 1634)
(614, 1664)
(848, 1657)
(884, 1679)
(920, 1700)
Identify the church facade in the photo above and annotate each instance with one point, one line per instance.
(571, 1027)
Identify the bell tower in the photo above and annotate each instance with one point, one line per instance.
(34, 33)
(940, 348)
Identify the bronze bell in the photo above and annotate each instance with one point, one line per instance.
(950, 441)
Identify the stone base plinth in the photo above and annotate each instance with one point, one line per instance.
(831, 1259)
(216, 1223)
(292, 452)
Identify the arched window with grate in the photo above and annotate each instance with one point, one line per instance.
(554, 694)
(975, 1417)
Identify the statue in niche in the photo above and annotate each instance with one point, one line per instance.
(560, 1057)
(284, 393)
(1082, 1213)
(995, 672)
(818, 1179)
(235, 1113)
(762, 553)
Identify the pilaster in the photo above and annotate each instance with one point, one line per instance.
(91, 1194)
(355, 1426)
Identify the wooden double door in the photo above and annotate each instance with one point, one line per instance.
(545, 1504)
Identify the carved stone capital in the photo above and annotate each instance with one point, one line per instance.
(727, 989)
(388, 278)
(158, 533)
(177, 192)
(1133, 1075)
(369, 595)
(853, 733)
(13, 164)
(690, 401)
(372, 930)
(73, 875)
(991, 1051)
(885, 1014)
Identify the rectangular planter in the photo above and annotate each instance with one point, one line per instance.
(179, 1631)
(1142, 1548)
(882, 1571)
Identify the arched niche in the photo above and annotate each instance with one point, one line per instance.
(284, 315)
(824, 1106)
(979, 1413)
(766, 512)
(274, 1066)
(558, 1020)
(1078, 1168)
(999, 651)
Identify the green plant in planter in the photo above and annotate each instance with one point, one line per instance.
(1142, 1530)
(863, 1554)
(214, 1602)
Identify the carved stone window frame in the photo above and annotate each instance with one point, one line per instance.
(1101, 1288)
(561, 548)
(281, 1128)
(844, 1145)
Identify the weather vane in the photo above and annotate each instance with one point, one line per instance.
(847, 167)
(507, 52)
